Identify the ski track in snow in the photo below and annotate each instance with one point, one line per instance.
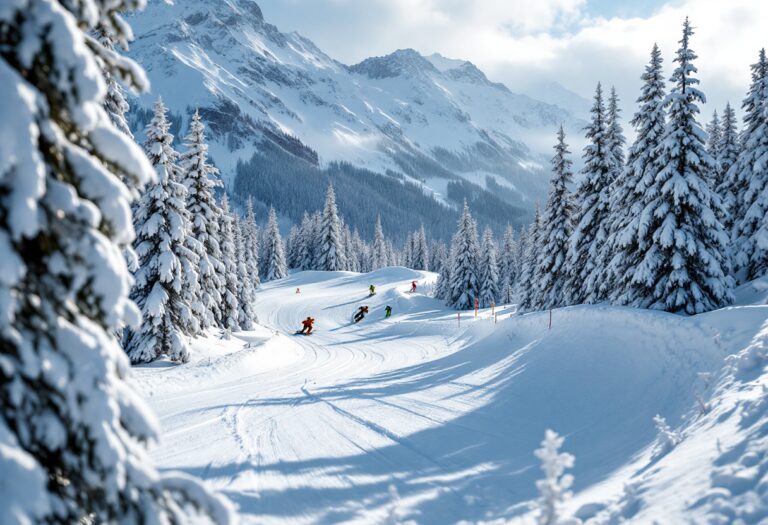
(298, 429)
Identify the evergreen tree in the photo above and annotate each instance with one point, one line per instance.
(615, 139)
(443, 285)
(246, 293)
(198, 178)
(331, 253)
(751, 259)
(751, 138)
(73, 431)
(714, 136)
(682, 268)
(293, 246)
(251, 240)
(351, 253)
(420, 250)
(305, 243)
(728, 152)
(464, 285)
(551, 264)
(523, 245)
(407, 254)
(508, 265)
(488, 279)
(554, 487)
(528, 271)
(592, 203)
(437, 255)
(115, 102)
(379, 254)
(160, 282)
(230, 307)
(274, 255)
(628, 241)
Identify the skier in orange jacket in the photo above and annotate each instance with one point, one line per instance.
(307, 325)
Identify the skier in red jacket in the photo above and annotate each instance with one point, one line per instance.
(413, 286)
(307, 325)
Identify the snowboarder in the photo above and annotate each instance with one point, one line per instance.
(372, 290)
(387, 312)
(307, 325)
(361, 313)
(413, 286)
(298, 291)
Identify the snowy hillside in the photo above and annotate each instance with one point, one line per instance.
(259, 89)
(317, 429)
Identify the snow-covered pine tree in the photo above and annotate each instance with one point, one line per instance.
(592, 206)
(72, 429)
(488, 278)
(508, 266)
(246, 293)
(199, 178)
(628, 243)
(379, 253)
(274, 254)
(363, 253)
(351, 253)
(251, 240)
(614, 133)
(729, 152)
(683, 267)
(230, 307)
(750, 240)
(554, 488)
(437, 255)
(314, 240)
(292, 251)
(114, 102)
(393, 258)
(407, 253)
(527, 282)
(160, 286)
(714, 137)
(523, 242)
(551, 263)
(443, 285)
(464, 285)
(330, 257)
(420, 250)
(741, 172)
(304, 243)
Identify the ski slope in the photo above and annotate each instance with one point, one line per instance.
(316, 429)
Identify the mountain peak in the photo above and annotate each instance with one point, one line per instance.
(407, 62)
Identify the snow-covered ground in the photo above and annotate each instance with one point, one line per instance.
(316, 429)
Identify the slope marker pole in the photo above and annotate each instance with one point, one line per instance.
(550, 319)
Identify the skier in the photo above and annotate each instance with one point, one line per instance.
(413, 286)
(372, 290)
(387, 312)
(360, 315)
(307, 325)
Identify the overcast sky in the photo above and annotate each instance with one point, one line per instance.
(521, 42)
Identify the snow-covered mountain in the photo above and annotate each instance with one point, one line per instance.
(427, 119)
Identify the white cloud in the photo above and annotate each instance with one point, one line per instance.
(520, 41)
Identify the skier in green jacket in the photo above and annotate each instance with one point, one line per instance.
(387, 312)
(372, 289)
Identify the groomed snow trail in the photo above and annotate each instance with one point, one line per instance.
(315, 429)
